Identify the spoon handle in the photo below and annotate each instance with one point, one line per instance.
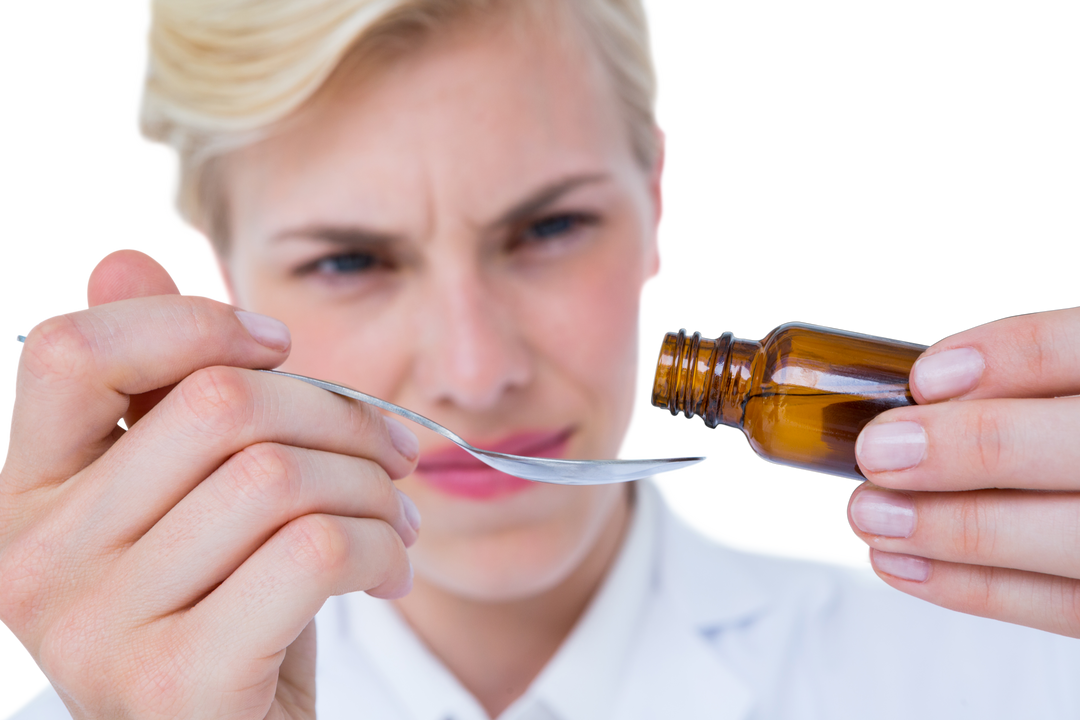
(372, 400)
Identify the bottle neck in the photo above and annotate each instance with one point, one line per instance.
(737, 381)
(709, 378)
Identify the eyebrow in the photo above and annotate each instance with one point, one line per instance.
(337, 234)
(546, 196)
(350, 235)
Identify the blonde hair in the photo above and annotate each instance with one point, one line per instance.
(223, 73)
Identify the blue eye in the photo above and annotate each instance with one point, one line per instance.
(345, 263)
(552, 227)
(557, 226)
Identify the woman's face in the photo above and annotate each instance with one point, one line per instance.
(465, 232)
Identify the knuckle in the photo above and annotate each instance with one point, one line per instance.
(218, 399)
(1070, 606)
(21, 575)
(202, 319)
(989, 597)
(71, 650)
(56, 350)
(317, 544)
(975, 534)
(1040, 344)
(30, 574)
(987, 434)
(1070, 533)
(976, 591)
(264, 475)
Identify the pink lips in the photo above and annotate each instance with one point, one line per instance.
(456, 472)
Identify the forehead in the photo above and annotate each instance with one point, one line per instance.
(475, 117)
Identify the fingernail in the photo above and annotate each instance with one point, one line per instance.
(408, 507)
(947, 374)
(905, 567)
(883, 513)
(266, 330)
(891, 446)
(403, 440)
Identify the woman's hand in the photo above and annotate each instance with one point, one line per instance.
(974, 504)
(174, 569)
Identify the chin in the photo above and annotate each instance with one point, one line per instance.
(516, 561)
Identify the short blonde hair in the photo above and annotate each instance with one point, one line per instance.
(222, 73)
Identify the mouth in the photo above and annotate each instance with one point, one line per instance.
(455, 472)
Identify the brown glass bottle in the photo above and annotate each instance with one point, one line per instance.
(801, 395)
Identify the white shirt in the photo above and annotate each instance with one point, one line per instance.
(683, 628)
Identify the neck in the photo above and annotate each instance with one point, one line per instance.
(496, 649)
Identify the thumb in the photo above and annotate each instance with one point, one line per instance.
(124, 275)
(127, 274)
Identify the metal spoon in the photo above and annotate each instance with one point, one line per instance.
(548, 470)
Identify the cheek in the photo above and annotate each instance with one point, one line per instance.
(336, 345)
(605, 315)
(355, 344)
(589, 306)
(587, 326)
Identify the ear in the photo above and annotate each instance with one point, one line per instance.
(656, 194)
(218, 268)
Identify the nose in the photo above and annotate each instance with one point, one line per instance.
(473, 351)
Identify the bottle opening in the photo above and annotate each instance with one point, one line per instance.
(666, 379)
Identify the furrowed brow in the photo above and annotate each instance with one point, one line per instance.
(545, 196)
(343, 235)
(358, 236)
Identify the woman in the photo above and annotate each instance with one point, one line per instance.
(458, 216)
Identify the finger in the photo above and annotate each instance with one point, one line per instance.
(1025, 356)
(212, 415)
(978, 444)
(225, 519)
(263, 606)
(77, 372)
(127, 274)
(1045, 602)
(997, 528)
